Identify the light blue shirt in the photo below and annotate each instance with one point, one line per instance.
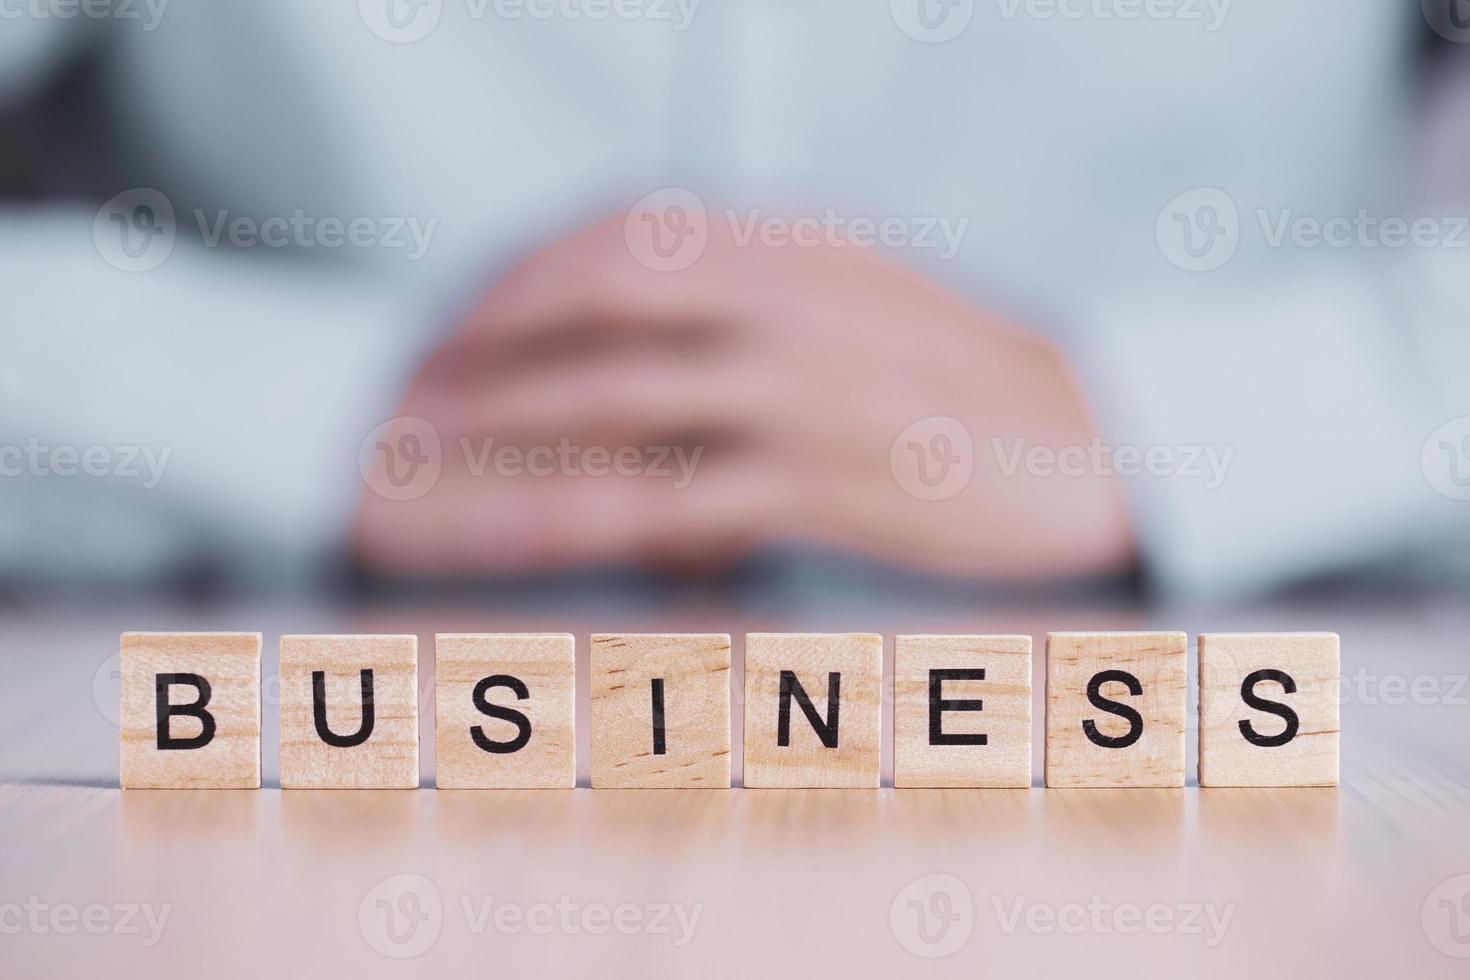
(1176, 189)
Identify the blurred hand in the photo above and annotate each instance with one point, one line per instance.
(786, 376)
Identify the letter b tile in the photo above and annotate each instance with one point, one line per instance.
(190, 712)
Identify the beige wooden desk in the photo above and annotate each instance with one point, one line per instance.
(1301, 883)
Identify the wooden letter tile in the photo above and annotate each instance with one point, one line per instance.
(1115, 709)
(661, 711)
(190, 711)
(813, 704)
(505, 711)
(1268, 709)
(962, 711)
(349, 712)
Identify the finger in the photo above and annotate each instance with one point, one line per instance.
(695, 516)
(496, 349)
(629, 399)
(588, 292)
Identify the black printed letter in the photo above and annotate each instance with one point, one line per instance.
(1135, 720)
(163, 711)
(522, 723)
(319, 710)
(1249, 696)
(938, 705)
(826, 730)
(660, 747)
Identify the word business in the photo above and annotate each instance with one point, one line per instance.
(660, 705)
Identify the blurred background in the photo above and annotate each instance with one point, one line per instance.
(986, 316)
(517, 298)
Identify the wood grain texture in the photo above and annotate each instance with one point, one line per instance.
(1324, 884)
(693, 671)
(1159, 663)
(545, 663)
(230, 664)
(389, 757)
(857, 659)
(1003, 718)
(1226, 756)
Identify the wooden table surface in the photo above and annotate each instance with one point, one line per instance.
(1368, 880)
